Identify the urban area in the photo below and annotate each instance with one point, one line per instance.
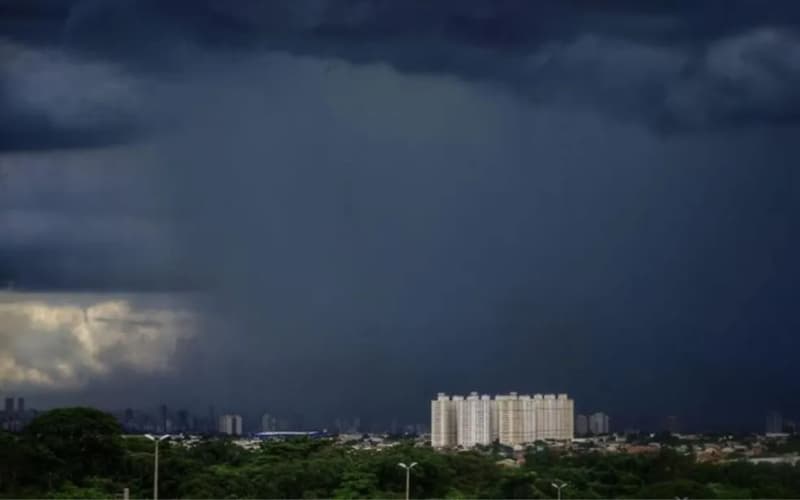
(502, 446)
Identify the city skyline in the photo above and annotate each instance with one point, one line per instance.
(204, 420)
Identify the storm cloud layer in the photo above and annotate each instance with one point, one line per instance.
(381, 200)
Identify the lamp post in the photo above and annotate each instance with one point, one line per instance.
(156, 439)
(558, 486)
(408, 476)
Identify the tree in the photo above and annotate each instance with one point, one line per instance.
(73, 453)
(95, 488)
(86, 442)
(357, 484)
(679, 488)
(15, 461)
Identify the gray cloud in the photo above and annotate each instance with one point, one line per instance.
(86, 220)
(372, 191)
(49, 100)
(539, 50)
(658, 63)
(745, 79)
(356, 218)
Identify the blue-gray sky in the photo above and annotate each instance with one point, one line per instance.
(372, 201)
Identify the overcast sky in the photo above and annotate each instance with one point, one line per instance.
(341, 207)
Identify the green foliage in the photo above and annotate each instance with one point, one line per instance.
(791, 445)
(357, 484)
(77, 442)
(678, 488)
(729, 491)
(95, 488)
(79, 453)
(69, 490)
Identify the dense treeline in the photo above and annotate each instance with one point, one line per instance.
(79, 453)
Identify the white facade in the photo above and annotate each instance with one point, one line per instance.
(510, 419)
(565, 417)
(461, 420)
(443, 422)
(230, 425)
(473, 420)
(548, 428)
(528, 414)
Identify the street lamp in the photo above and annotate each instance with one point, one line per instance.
(156, 439)
(558, 486)
(408, 476)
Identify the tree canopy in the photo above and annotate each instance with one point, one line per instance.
(80, 453)
(75, 443)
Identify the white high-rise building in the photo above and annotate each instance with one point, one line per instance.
(510, 419)
(473, 420)
(483, 420)
(230, 425)
(528, 409)
(566, 417)
(494, 421)
(540, 414)
(443, 422)
(457, 404)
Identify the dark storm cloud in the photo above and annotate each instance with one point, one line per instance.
(662, 62)
(78, 268)
(505, 23)
(358, 220)
(29, 130)
(84, 220)
(33, 22)
(459, 195)
(51, 101)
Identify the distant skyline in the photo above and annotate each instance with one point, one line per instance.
(286, 418)
(336, 207)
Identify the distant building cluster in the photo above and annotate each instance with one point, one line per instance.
(347, 426)
(15, 417)
(510, 419)
(165, 421)
(777, 424)
(269, 423)
(774, 423)
(595, 424)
